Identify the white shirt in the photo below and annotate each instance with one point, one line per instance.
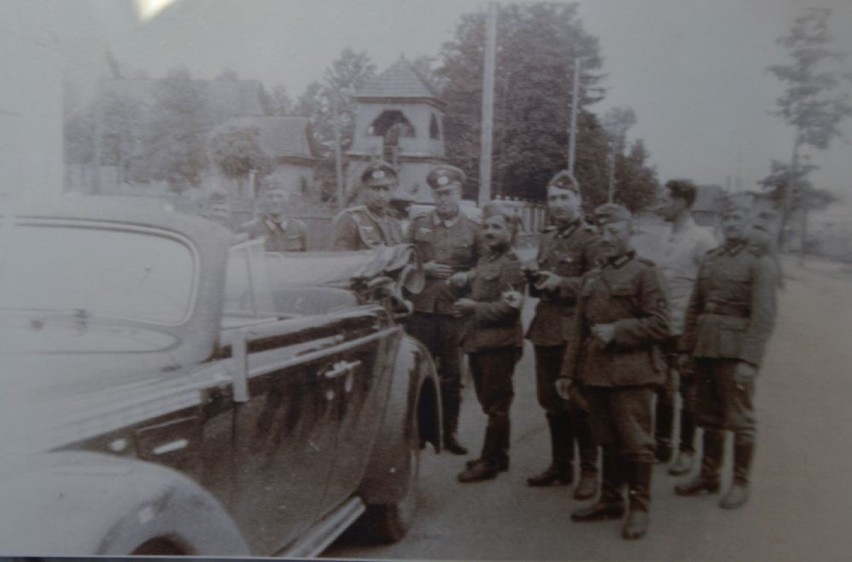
(682, 254)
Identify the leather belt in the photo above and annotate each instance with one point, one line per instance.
(725, 309)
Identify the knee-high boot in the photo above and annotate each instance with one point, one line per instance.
(451, 404)
(639, 500)
(561, 469)
(737, 495)
(610, 505)
(711, 461)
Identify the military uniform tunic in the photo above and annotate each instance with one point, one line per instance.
(455, 243)
(357, 228)
(493, 338)
(618, 377)
(730, 317)
(289, 235)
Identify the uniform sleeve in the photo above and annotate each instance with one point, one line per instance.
(507, 308)
(345, 231)
(651, 325)
(577, 335)
(763, 309)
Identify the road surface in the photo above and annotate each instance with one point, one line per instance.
(801, 505)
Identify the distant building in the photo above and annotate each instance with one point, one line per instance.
(400, 120)
(287, 140)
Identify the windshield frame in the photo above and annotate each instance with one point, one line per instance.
(9, 223)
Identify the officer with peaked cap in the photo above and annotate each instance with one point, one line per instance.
(620, 320)
(730, 317)
(448, 241)
(369, 225)
(568, 249)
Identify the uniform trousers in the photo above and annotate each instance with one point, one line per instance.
(622, 421)
(441, 334)
(548, 365)
(721, 403)
(492, 372)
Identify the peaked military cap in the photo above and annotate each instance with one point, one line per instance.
(610, 212)
(442, 176)
(565, 180)
(378, 172)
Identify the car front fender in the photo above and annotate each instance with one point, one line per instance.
(73, 503)
(414, 405)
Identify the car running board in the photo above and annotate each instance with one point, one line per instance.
(324, 532)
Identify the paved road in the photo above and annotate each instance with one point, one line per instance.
(801, 504)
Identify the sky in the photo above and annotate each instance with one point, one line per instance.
(694, 71)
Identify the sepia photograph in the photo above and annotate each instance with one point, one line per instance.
(425, 280)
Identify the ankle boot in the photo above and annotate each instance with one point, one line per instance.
(708, 480)
(587, 487)
(639, 498)
(738, 493)
(561, 470)
(611, 503)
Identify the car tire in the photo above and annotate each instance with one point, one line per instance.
(390, 522)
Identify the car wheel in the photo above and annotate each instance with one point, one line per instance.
(390, 522)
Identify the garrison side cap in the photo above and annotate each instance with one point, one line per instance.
(445, 175)
(377, 173)
(565, 180)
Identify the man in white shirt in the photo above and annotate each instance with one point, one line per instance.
(680, 257)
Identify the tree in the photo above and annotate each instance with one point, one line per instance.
(120, 137)
(331, 110)
(278, 102)
(237, 153)
(616, 122)
(636, 181)
(812, 103)
(175, 141)
(537, 45)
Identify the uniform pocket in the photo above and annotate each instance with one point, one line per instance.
(730, 341)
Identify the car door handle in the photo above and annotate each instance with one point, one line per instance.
(341, 369)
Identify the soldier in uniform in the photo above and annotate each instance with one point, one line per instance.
(567, 251)
(492, 335)
(448, 243)
(682, 254)
(612, 353)
(369, 225)
(281, 234)
(730, 317)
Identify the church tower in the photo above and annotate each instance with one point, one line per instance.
(401, 121)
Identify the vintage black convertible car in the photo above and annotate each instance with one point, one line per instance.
(167, 392)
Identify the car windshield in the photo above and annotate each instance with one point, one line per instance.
(96, 271)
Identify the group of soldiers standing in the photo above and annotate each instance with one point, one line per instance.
(616, 337)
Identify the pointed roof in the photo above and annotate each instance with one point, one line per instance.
(399, 81)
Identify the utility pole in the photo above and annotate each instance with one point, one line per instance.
(575, 102)
(338, 164)
(487, 129)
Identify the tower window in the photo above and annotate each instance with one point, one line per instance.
(391, 121)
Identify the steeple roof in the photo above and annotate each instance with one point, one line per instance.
(398, 81)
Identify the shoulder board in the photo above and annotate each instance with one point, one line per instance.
(646, 262)
(250, 224)
(589, 228)
(355, 209)
(548, 229)
(758, 251)
(715, 251)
